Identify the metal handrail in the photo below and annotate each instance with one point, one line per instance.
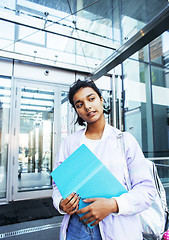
(158, 158)
(161, 165)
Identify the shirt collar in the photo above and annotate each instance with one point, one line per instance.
(109, 131)
(106, 132)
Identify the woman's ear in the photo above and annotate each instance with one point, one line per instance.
(102, 100)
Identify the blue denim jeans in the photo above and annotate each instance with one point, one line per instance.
(77, 230)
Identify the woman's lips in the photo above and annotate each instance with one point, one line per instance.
(90, 114)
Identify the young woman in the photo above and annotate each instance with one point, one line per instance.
(115, 218)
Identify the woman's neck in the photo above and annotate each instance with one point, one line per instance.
(95, 130)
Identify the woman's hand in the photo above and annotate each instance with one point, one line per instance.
(70, 204)
(98, 209)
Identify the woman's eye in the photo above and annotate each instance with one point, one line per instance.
(91, 99)
(79, 105)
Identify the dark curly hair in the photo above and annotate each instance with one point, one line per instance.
(83, 84)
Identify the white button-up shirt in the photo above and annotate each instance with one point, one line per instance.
(125, 224)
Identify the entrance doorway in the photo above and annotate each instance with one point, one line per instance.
(41, 118)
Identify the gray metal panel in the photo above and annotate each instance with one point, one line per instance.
(152, 30)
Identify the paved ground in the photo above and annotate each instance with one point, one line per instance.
(44, 229)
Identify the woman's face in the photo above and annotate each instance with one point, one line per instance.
(88, 105)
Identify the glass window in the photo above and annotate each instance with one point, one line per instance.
(5, 93)
(138, 104)
(35, 139)
(160, 90)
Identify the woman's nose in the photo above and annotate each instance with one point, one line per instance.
(87, 107)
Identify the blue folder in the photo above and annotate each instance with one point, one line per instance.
(82, 172)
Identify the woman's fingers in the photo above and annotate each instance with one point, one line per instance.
(91, 220)
(73, 211)
(73, 205)
(69, 198)
(70, 204)
(97, 210)
(72, 201)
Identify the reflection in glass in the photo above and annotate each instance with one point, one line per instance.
(107, 96)
(5, 93)
(159, 49)
(35, 139)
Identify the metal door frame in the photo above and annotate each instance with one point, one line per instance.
(12, 173)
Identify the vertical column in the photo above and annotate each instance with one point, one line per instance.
(113, 101)
(29, 152)
(149, 110)
(40, 148)
(119, 97)
(33, 150)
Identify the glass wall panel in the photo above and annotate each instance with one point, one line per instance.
(138, 119)
(30, 35)
(130, 26)
(94, 17)
(160, 89)
(62, 49)
(159, 49)
(5, 93)
(136, 15)
(99, 18)
(8, 4)
(142, 54)
(107, 24)
(35, 139)
(92, 20)
(60, 5)
(38, 45)
(6, 37)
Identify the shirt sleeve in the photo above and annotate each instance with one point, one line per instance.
(142, 191)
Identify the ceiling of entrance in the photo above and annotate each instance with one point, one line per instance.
(75, 34)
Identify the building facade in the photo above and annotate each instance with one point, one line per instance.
(45, 47)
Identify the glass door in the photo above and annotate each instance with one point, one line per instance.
(39, 126)
(5, 102)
